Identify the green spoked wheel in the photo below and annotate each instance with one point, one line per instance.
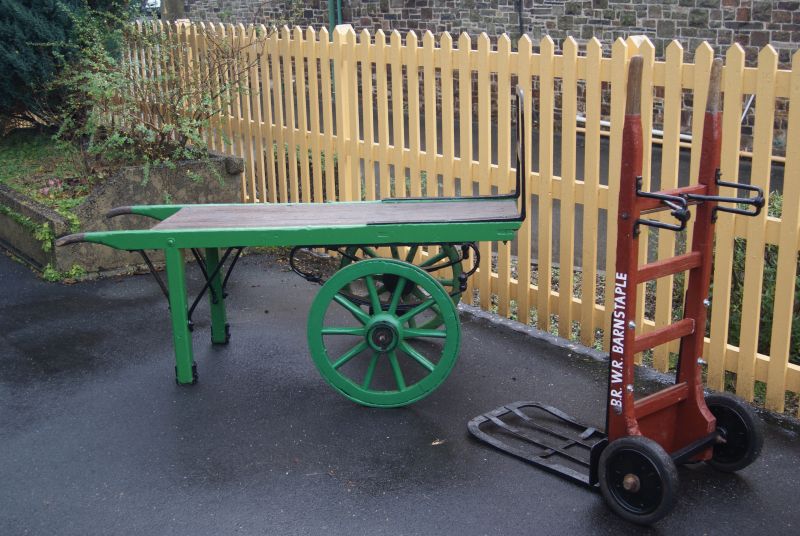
(444, 266)
(369, 349)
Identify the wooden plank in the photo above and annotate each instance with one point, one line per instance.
(504, 126)
(267, 127)
(365, 52)
(244, 93)
(569, 100)
(398, 116)
(289, 111)
(754, 263)
(411, 61)
(670, 160)
(591, 180)
(314, 215)
(383, 113)
(312, 55)
(326, 55)
(665, 267)
(545, 223)
(258, 180)
(783, 310)
(522, 292)
(464, 55)
(448, 117)
(431, 120)
(484, 161)
(300, 53)
(663, 334)
(723, 244)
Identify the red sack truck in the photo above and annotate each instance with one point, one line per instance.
(634, 462)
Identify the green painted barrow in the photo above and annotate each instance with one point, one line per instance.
(393, 335)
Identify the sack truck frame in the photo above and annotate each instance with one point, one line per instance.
(634, 461)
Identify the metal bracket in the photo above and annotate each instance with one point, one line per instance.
(756, 202)
(678, 205)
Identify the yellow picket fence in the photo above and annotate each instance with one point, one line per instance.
(369, 116)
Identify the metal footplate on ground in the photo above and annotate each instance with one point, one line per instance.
(542, 435)
(634, 462)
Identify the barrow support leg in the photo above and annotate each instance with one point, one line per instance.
(185, 372)
(219, 322)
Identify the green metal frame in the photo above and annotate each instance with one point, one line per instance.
(174, 243)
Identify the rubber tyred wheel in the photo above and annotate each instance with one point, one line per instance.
(368, 348)
(638, 479)
(444, 266)
(740, 432)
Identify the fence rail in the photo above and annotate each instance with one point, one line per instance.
(352, 117)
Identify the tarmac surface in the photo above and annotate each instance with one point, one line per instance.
(96, 438)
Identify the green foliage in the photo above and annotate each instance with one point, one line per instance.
(51, 274)
(37, 42)
(28, 153)
(122, 116)
(770, 259)
(33, 41)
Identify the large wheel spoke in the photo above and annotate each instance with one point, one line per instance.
(343, 331)
(371, 370)
(418, 357)
(422, 307)
(354, 309)
(373, 293)
(414, 333)
(398, 374)
(350, 354)
(398, 293)
(436, 258)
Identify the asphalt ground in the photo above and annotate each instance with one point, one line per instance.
(96, 438)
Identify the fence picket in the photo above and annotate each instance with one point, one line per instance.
(299, 49)
(484, 162)
(648, 53)
(591, 186)
(398, 122)
(327, 98)
(315, 132)
(723, 255)
(754, 263)
(785, 279)
(365, 57)
(383, 114)
(670, 159)
(465, 127)
(545, 223)
(448, 118)
(523, 288)
(569, 110)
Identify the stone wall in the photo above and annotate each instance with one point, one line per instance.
(751, 23)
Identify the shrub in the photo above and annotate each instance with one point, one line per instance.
(33, 41)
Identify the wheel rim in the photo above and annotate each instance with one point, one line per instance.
(634, 481)
(373, 350)
(447, 277)
(735, 433)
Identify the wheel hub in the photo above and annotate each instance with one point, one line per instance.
(631, 483)
(382, 337)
